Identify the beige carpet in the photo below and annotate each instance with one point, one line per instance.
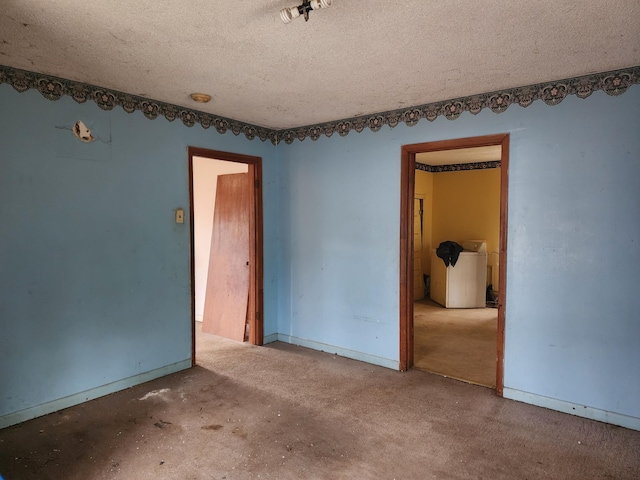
(289, 413)
(456, 342)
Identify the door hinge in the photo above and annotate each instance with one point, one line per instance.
(257, 183)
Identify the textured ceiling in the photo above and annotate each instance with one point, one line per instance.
(460, 155)
(356, 57)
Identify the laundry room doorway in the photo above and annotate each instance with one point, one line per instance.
(455, 327)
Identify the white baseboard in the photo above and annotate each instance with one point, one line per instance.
(573, 408)
(71, 400)
(343, 352)
(270, 338)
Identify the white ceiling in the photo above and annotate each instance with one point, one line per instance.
(460, 155)
(356, 57)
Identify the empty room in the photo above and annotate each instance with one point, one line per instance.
(334, 111)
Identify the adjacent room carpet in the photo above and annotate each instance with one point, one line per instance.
(456, 342)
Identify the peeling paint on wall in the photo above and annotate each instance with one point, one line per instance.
(93, 133)
(81, 131)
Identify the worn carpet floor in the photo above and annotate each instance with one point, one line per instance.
(457, 342)
(285, 412)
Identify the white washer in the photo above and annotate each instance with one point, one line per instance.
(463, 285)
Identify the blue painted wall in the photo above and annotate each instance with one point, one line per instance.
(572, 322)
(94, 277)
(94, 271)
(341, 207)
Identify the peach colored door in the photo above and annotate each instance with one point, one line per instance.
(227, 293)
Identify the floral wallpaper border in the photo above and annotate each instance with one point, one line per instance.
(552, 93)
(54, 88)
(457, 167)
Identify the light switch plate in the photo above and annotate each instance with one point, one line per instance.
(179, 215)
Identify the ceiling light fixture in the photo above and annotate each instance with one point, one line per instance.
(200, 97)
(288, 14)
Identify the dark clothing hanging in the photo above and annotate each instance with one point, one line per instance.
(449, 252)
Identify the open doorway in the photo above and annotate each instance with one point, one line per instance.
(436, 156)
(237, 179)
(455, 319)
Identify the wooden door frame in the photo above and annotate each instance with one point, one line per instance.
(407, 192)
(256, 254)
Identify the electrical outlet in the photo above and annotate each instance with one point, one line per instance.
(179, 215)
